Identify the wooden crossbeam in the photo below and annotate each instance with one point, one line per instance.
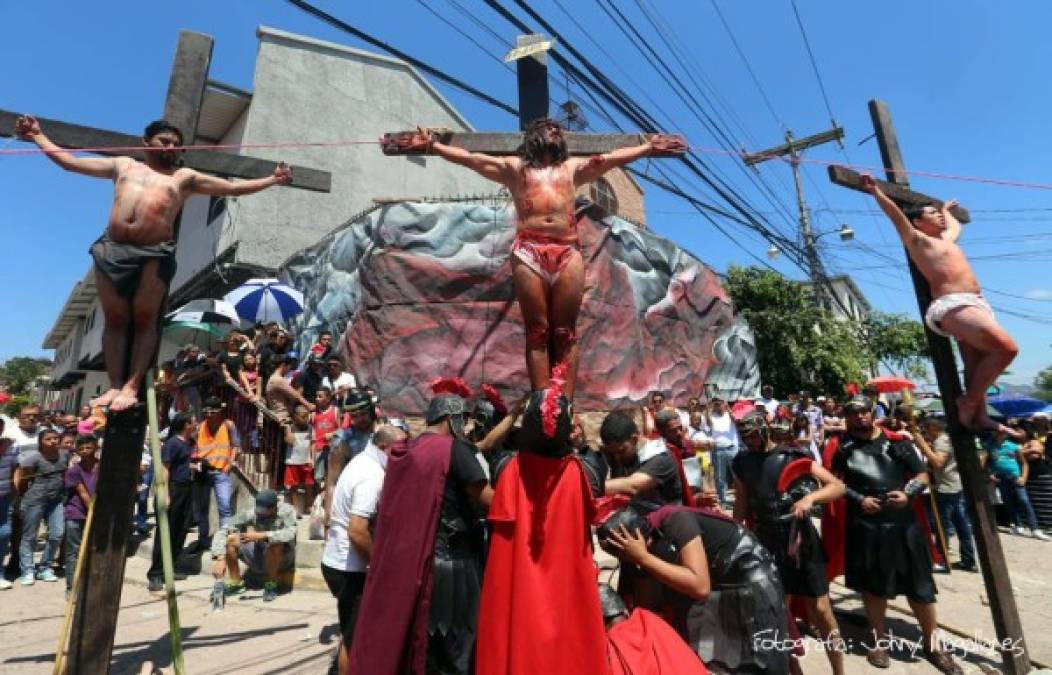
(845, 177)
(503, 143)
(75, 136)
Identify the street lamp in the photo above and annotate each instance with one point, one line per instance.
(845, 232)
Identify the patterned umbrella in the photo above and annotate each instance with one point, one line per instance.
(265, 300)
(218, 313)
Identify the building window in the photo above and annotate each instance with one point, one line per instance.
(602, 193)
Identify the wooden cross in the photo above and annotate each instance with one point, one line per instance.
(532, 74)
(991, 556)
(105, 551)
(182, 107)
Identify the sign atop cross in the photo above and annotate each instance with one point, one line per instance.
(988, 544)
(104, 554)
(532, 74)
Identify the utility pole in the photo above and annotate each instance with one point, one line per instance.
(792, 149)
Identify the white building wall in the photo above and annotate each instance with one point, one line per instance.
(310, 90)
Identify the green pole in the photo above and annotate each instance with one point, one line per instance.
(160, 491)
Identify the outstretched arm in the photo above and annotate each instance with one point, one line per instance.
(424, 141)
(890, 208)
(659, 145)
(203, 184)
(953, 226)
(28, 129)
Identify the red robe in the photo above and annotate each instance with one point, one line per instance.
(391, 635)
(540, 611)
(644, 644)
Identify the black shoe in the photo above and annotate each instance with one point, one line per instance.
(155, 585)
(964, 568)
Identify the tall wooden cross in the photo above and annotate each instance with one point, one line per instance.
(532, 74)
(105, 551)
(991, 556)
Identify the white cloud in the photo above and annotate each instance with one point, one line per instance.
(1039, 294)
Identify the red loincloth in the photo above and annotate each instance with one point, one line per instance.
(834, 517)
(540, 610)
(644, 644)
(391, 638)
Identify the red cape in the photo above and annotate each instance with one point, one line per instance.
(644, 644)
(834, 518)
(391, 638)
(540, 611)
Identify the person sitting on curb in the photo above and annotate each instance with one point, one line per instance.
(264, 538)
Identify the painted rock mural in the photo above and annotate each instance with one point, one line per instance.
(422, 290)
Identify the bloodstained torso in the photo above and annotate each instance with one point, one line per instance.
(544, 200)
(145, 203)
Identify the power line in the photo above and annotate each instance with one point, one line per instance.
(748, 66)
(416, 63)
(814, 64)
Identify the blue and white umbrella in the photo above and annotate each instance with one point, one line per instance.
(264, 300)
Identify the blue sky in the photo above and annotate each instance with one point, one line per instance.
(958, 77)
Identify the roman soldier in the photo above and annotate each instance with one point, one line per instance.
(776, 488)
(419, 608)
(885, 550)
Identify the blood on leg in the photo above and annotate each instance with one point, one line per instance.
(146, 309)
(567, 293)
(532, 295)
(116, 312)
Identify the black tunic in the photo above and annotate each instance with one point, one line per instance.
(805, 572)
(886, 552)
(738, 627)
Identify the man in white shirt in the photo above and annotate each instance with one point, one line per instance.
(724, 435)
(26, 431)
(337, 379)
(349, 543)
(768, 401)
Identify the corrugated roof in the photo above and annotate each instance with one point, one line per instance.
(221, 106)
(78, 305)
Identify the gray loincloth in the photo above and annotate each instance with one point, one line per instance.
(122, 263)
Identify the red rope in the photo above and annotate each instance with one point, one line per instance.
(1005, 182)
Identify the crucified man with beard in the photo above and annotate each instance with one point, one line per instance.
(135, 257)
(546, 263)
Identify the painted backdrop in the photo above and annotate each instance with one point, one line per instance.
(421, 290)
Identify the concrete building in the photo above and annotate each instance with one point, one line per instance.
(303, 90)
(847, 302)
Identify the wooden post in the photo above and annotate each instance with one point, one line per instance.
(532, 74)
(105, 550)
(991, 556)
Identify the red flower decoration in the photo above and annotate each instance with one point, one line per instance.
(451, 385)
(495, 399)
(550, 404)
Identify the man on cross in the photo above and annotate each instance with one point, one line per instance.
(547, 267)
(958, 308)
(135, 257)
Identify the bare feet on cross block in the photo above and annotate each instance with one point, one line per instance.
(106, 398)
(127, 398)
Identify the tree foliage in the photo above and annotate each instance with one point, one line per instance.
(1043, 384)
(898, 341)
(800, 346)
(19, 372)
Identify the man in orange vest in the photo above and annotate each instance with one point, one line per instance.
(217, 447)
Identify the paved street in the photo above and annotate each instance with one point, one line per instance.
(296, 633)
